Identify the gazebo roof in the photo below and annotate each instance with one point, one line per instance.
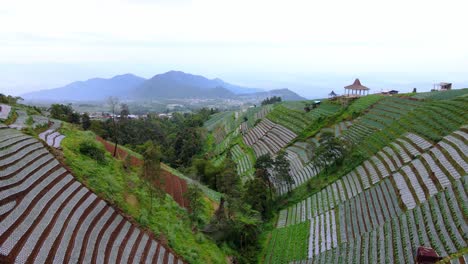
(356, 86)
(332, 93)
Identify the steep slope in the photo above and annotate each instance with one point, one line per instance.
(48, 216)
(408, 190)
(174, 184)
(401, 185)
(91, 90)
(124, 187)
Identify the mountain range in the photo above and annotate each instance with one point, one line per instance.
(169, 85)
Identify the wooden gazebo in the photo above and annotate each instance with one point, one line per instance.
(356, 89)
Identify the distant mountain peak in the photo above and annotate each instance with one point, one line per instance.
(169, 85)
(93, 89)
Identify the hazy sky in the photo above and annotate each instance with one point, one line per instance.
(268, 44)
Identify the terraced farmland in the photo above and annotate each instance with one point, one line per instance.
(242, 160)
(4, 111)
(441, 95)
(363, 103)
(296, 120)
(301, 153)
(20, 121)
(437, 223)
(217, 119)
(381, 115)
(375, 207)
(52, 138)
(253, 114)
(47, 216)
(268, 137)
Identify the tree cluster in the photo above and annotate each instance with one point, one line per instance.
(67, 114)
(8, 99)
(271, 100)
(179, 138)
(331, 151)
(310, 106)
(244, 207)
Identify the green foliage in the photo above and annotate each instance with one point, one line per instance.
(217, 119)
(61, 111)
(162, 215)
(194, 195)
(300, 121)
(93, 150)
(272, 100)
(256, 195)
(361, 104)
(207, 172)
(85, 121)
(442, 95)
(330, 152)
(288, 244)
(11, 118)
(151, 171)
(180, 137)
(8, 99)
(29, 121)
(281, 168)
(210, 193)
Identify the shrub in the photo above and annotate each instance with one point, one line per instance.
(91, 149)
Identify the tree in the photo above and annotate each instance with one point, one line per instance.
(124, 111)
(85, 121)
(73, 118)
(187, 143)
(152, 168)
(262, 166)
(8, 99)
(414, 90)
(281, 170)
(331, 151)
(61, 111)
(194, 195)
(113, 102)
(256, 195)
(228, 181)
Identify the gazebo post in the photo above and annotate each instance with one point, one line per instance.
(356, 89)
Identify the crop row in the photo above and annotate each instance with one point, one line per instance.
(436, 223)
(48, 216)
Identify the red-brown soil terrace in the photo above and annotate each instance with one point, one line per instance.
(173, 185)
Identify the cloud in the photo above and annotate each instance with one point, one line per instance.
(222, 37)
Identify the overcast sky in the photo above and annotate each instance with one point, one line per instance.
(267, 44)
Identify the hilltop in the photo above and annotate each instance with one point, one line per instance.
(169, 85)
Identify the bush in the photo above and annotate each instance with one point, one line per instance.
(91, 149)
